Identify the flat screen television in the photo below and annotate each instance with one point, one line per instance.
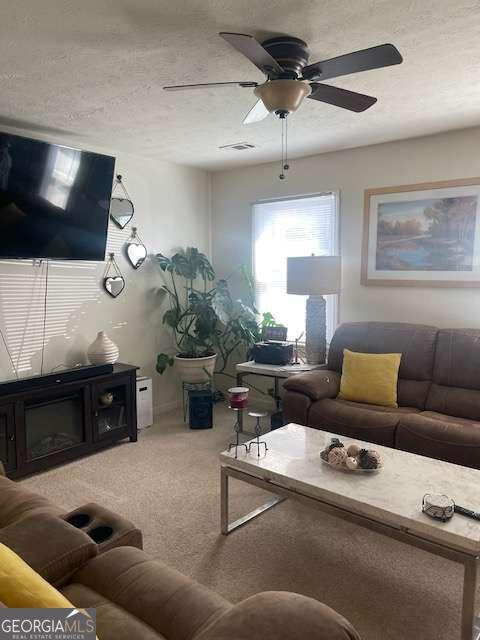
(54, 200)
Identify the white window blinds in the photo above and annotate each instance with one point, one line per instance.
(286, 228)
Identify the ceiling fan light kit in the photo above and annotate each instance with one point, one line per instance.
(290, 79)
(282, 96)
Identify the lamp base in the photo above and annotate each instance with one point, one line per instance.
(316, 330)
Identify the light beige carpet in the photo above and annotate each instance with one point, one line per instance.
(168, 484)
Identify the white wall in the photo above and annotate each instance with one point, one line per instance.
(440, 157)
(172, 209)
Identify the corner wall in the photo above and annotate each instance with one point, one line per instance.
(172, 209)
(445, 156)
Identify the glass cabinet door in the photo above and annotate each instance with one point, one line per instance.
(111, 408)
(7, 438)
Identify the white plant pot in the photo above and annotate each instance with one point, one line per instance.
(195, 369)
(102, 350)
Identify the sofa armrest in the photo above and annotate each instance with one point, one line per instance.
(51, 546)
(316, 384)
(107, 528)
(280, 615)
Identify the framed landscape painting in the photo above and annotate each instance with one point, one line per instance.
(424, 235)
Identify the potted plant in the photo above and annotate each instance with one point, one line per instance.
(207, 323)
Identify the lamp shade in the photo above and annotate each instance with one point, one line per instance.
(314, 275)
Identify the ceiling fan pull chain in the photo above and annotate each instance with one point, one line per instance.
(282, 175)
(286, 166)
(284, 161)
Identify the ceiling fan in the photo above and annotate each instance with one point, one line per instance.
(290, 79)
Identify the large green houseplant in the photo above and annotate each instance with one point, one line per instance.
(208, 325)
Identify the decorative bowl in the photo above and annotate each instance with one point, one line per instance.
(347, 470)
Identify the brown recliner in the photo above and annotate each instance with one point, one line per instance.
(139, 598)
(438, 391)
(53, 542)
(376, 424)
(449, 429)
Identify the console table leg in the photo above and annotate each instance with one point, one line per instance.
(224, 500)
(468, 601)
(240, 413)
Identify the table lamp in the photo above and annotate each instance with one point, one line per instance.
(314, 276)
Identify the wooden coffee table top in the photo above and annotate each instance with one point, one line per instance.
(391, 496)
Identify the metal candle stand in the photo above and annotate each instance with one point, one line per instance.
(257, 442)
(237, 429)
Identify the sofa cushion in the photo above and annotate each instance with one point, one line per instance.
(357, 420)
(415, 342)
(17, 502)
(456, 374)
(457, 358)
(172, 604)
(113, 622)
(437, 435)
(454, 401)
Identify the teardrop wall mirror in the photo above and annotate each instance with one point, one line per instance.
(121, 209)
(135, 250)
(113, 281)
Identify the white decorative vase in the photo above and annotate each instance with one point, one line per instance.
(102, 350)
(195, 369)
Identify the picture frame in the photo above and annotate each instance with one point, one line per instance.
(422, 235)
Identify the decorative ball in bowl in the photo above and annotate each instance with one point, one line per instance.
(351, 458)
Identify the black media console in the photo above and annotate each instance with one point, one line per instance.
(48, 420)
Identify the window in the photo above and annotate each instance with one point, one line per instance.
(286, 228)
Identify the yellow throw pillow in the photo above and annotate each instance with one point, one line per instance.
(21, 586)
(370, 378)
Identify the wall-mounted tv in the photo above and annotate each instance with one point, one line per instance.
(54, 200)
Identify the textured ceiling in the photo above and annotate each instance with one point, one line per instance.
(91, 72)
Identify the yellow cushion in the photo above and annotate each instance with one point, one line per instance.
(370, 378)
(21, 586)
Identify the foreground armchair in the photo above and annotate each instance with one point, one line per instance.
(139, 598)
(135, 596)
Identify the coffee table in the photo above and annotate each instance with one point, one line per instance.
(387, 501)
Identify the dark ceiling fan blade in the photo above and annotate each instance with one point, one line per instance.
(384, 55)
(253, 50)
(184, 87)
(341, 97)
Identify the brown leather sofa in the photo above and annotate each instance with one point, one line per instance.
(137, 597)
(438, 391)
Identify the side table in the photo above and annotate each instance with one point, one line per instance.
(275, 371)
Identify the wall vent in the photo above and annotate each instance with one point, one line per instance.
(238, 146)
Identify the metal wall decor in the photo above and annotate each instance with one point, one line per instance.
(121, 209)
(135, 250)
(113, 284)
